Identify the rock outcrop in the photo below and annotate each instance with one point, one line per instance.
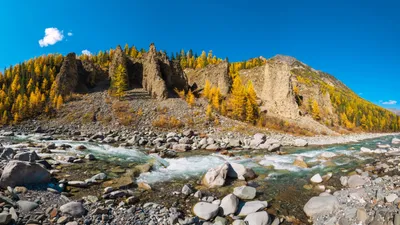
(67, 79)
(153, 80)
(277, 94)
(217, 75)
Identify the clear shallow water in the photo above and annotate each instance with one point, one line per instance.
(347, 156)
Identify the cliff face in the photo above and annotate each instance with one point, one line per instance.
(67, 79)
(284, 93)
(277, 92)
(217, 75)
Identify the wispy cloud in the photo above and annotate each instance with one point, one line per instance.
(86, 52)
(70, 34)
(52, 36)
(390, 102)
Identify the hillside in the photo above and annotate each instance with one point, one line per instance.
(126, 86)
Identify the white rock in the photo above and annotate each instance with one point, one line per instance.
(316, 179)
(327, 155)
(205, 210)
(215, 177)
(245, 192)
(239, 222)
(355, 181)
(229, 204)
(395, 141)
(300, 142)
(321, 205)
(252, 207)
(239, 171)
(365, 150)
(258, 218)
(390, 198)
(344, 180)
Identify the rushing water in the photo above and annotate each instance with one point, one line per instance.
(280, 182)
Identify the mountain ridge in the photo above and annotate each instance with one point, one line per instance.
(286, 88)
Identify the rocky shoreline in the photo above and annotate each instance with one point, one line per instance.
(35, 190)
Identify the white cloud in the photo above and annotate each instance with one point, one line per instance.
(52, 36)
(390, 102)
(86, 52)
(70, 34)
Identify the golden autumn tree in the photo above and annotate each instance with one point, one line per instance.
(252, 110)
(120, 82)
(207, 89)
(59, 102)
(315, 110)
(190, 98)
(237, 99)
(216, 98)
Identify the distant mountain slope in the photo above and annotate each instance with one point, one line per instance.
(286, 88)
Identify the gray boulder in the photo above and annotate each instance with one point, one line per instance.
(321, 205)
(182, 147)
(205, 210)
(355, 181)
(300, 142)
(6, 153)
(215, 177)
(245, 192)
(252, 207)
(27, 206)
(27, 156)
(239, 171)
(229, 204)
(74, 209)
(20, 173)
(257, 218)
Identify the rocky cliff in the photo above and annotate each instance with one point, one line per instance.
(67, 79)
(217, 75)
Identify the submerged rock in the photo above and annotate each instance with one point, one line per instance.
(299, 162)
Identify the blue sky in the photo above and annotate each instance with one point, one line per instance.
(356, 41)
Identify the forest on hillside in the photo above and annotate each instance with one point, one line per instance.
(27, 91)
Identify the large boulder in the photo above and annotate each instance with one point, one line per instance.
(239, 171)
(229, 204)
(6, 153)
(20, 173)
(74, 209)
(257, 218)
(355, 181)
(245, 192)
(215, 177)
(252, 207)
(300, 143)
(321, 205)
(205, 210)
